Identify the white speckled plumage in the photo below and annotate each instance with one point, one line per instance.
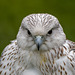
(55, 55)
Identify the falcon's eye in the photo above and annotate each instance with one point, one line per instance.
(29, 32)
(50, 32)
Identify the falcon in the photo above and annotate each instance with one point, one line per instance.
(41, 48)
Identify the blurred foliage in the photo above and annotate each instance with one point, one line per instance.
(13, 11)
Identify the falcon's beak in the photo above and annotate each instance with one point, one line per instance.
(38, 41)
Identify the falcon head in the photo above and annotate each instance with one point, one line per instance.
(40, 32)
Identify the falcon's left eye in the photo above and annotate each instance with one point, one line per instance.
(29, 32)
(50, 32)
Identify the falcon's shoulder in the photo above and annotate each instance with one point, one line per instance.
(69, 49)
(66, 62)
(71, 54)
(71, 44)
(8, 57)
(10, 50)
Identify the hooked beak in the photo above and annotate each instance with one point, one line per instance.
(38, 41)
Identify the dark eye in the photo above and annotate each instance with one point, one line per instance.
(50, 32)
(29, 32)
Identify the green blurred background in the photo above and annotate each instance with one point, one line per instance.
(13, 11)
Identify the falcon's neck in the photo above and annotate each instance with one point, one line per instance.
(43, 59)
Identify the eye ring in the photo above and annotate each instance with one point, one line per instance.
(50, 32)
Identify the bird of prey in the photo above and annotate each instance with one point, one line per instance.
(41, 48)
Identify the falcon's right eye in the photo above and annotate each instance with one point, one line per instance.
(29, 32)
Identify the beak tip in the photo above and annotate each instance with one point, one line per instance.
(38, 46)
